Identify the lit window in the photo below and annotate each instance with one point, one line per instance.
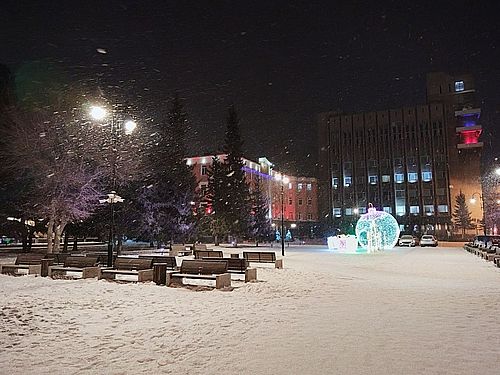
(337, 212)
(399, 178)
(203, 170)
(309, 187)
(335, 182)
(387, 209)
(347, 181)
(372, 180)
(427, 176)
(289, 186)
(299, 187)
(348, 211)
(362, 210)
(412, 177)
(290, 201)
(300, 201)
(443, 208)
(309, 216)
(429, 209)
(459, 86)
(414, 210)
(386, 178)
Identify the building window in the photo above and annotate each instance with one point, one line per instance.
(388, 209)
(337, 212)
(335, 182)
(300, 201)
(203, 170)
(347, 181)
(443, 208)
(309, 187)
(362, 210)
(348, 211)
(309, 216)
(372, 180)
(414, 210)
(299, 216)
(290, 201)
(459, 86)
(412, 177)
(299, 187)
(399, 178)
(203, 189)
(309, 201)
(429, 209)
(289, 186)
(427, 176)
(386, 178)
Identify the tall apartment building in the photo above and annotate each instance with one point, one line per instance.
(411, 162)
(300, 194)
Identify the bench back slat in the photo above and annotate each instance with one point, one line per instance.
(260, 256)
(200, 246)
(133, 264)
(204, 267)
(80, 262)
(169, 261)
(200, 254)
(233, 264)
(29, 259)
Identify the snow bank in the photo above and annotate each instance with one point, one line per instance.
(414, 311)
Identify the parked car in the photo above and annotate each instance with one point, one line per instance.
(428, 240)
(407, 240)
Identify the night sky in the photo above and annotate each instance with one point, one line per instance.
(279, 62)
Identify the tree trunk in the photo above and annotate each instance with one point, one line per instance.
(119, 245)
(50, 234)
(31, 231)
(75, 244)
(66, 242)
(57, 238)
(216, 240)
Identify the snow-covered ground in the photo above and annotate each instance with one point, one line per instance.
(411, 311)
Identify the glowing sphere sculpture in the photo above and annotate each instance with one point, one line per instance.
(377, 230)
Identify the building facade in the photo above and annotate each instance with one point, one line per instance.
(298, 194)
(411, 162)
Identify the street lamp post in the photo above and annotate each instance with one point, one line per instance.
(283, 180)
(99, 113)
(481, 201)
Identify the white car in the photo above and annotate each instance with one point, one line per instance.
(428, 240)
(407, 240)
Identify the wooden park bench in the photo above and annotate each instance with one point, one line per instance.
(263, 257)
(238, 266)
(86, 265)
(202, 270)
(200, 254)
(200, 246)
(169, 261)
(32, 263)
(180, 250)
(142, 268)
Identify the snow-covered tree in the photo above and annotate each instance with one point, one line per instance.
(461, 214)
(260, 222)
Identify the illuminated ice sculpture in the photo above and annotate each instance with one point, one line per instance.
(377, 230)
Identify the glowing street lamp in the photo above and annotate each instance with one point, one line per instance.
(99, 113)
(283, 180)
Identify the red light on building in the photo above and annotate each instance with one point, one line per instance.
(470, 136)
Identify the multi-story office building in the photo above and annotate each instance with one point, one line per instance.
(299, 194)
(411, 162)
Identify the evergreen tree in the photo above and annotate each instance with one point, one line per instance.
(236, 209)
(261, 225)
(166, 198)
(461, 213)
(216, 200)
